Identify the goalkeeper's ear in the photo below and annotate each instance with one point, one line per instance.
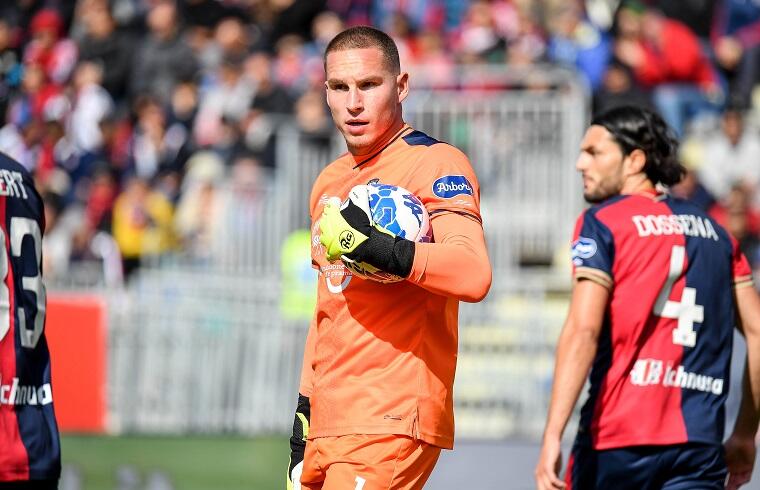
(298, 442)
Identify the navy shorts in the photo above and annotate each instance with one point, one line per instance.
(678, 467)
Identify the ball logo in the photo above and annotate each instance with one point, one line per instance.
(452, 185)
(346, 239)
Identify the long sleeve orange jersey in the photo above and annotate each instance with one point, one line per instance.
(380, 358)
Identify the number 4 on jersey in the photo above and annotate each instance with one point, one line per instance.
(686, 311)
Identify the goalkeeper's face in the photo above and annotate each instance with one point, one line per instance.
(364, 95)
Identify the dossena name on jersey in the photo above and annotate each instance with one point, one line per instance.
(674, 224)
(12, 184)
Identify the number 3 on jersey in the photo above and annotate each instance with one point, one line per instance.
(21, 227)
(687, 311)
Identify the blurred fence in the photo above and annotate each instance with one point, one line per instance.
(207, 344)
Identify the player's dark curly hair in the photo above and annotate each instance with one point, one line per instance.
(637, 128)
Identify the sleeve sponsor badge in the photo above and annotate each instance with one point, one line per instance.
(583, 248)
(452, 185)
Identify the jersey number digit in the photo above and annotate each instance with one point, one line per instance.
(687, 311)
(21, 227)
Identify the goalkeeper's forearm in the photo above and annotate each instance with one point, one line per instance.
(298, 442)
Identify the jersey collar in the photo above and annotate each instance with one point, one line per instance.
(405, 129)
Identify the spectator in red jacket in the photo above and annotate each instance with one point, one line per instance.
(667, 57)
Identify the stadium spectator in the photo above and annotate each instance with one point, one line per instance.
(653, 322)
(91, 104)
(142, 224)
(729, 157)
(109, 47)
(394, 444)
(697, 16)
(735, 38)
(619, 88)
(667, 58)
(478, 39)
(10, 64)
(576, 42)
(737, 215)
(198, 206)
(438, 67)
(152, 149)
(313, 120)
(228, 97)
(163, 59)
(48, 48)
(236, 224)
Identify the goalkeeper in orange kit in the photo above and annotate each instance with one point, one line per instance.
(376, 404)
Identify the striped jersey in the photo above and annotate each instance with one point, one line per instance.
(28, 430)
(661, 372)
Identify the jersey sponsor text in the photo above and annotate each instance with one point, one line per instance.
(647, 372)
(15, 394)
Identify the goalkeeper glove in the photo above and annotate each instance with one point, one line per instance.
(298, 442)
(348, 232)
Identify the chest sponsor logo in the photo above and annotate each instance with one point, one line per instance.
(652, 372)
(452, 185)
(337, 277)
(18, 394)
(583, 248)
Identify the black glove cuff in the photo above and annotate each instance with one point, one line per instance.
(297, 439)
(391, 254)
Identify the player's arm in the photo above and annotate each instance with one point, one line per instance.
(457, 263)
(576, 349)
(302, 417)
(740, 447)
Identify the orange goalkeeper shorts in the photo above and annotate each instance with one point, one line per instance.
(367, 462)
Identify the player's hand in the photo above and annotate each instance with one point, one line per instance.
(348, 232)
(740, 459)
(344, 228)
(548, 467)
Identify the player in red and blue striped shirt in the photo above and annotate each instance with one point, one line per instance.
(658, 287)
(29, 444)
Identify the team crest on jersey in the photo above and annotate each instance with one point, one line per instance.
(583, 248)
(452, 185)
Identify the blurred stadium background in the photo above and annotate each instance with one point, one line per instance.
(175, 144)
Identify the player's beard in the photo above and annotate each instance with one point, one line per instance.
(608, 187)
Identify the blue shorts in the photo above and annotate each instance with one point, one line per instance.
(679, 467)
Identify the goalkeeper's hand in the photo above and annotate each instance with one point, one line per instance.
(348, 232)
(298, 442)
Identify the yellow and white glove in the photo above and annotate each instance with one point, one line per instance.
(348, 232)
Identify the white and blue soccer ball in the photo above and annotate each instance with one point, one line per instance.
(398, 211)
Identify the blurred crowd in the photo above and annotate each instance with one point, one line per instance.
(129, 111)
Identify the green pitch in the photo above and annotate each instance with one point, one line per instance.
(189, 463)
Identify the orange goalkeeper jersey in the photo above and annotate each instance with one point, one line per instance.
(380, 358)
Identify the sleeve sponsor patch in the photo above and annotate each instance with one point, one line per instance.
(583, 248)
(452, 185)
